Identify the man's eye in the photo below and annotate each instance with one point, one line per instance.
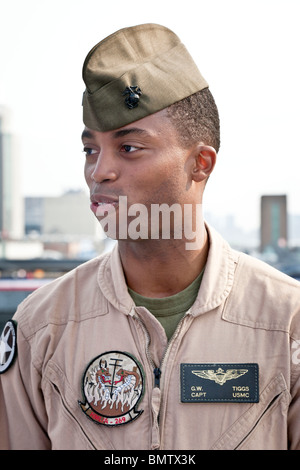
(128, 148)
(89, 151)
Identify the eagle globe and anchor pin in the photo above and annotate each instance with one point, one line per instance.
(132, 94)
(112, 385)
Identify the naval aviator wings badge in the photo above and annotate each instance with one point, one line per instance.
(219, 383)
(113, 385)
(219, 376)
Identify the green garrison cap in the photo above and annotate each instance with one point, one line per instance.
(136, 72)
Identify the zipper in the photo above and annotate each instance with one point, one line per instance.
(157, 374)
(157, 371)
(157, 392)
(148, 341)
(175, 334)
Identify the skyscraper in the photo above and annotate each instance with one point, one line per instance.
(11, 206)
(273, 222)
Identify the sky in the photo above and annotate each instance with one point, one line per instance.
(248, 51)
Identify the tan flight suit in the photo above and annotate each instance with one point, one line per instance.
(229, 378)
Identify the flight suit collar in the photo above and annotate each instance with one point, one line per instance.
(112, 282)
(215, 287)
(218, 275)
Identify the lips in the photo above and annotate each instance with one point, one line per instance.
(101, 204)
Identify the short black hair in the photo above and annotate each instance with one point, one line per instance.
(196, 119)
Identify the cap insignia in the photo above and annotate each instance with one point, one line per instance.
(132, 100)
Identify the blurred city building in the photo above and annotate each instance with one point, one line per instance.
(56, 227)
(273, 222)
(65, 225)
(66, 215)
(238, 237)
(294, 230)
(11, 202)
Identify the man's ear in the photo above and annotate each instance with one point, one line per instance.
(205, 160)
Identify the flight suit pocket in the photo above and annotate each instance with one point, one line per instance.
(69, 429)
(264, 425)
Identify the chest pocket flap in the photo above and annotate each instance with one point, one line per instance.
(263, 421)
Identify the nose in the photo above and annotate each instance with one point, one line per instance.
(104, 169)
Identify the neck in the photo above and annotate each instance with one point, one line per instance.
(160, 268)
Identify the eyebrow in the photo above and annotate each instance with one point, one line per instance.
(86, 134)
(116, 135)
(132, 130)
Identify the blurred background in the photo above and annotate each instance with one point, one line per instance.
(248, 51)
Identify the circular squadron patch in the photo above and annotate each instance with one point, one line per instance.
(8, 346)
(112, 385)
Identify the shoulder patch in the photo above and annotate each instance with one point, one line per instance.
(8, 346)
(113, 384)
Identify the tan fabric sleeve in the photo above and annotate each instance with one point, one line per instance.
(22, 413)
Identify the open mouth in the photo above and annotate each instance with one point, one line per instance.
(101, 208)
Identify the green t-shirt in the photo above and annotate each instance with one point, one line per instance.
(169, 310)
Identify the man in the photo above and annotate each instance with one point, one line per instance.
(173, 340)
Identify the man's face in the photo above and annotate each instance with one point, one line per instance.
(143, 161)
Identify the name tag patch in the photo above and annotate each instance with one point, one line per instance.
(237, 383)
